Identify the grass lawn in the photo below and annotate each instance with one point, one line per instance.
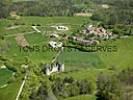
(53, 20)
(36, 38)
(5, 75)
(82, 97)
(10, 92)
(122, 58)
(75, 60)
(25, 24)
(14, 53)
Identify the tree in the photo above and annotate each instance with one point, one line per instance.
(57, 87)
(108, 88)
(41, 93)
(71, 90)
(85, 86)
(4, 8)
(126, 78)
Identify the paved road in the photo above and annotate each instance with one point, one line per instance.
(57, 54)
(36, 29)
(21, 87)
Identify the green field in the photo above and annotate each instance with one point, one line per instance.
(83, 97)
(10, 92)
(8, 89)
(75, 60)
(123, 58)
(5, 75)
(25, 23)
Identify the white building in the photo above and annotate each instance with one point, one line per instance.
(98, 31)
(56, 67)
(3, 67)
(61, 28)
(54, 44)
(54, 35)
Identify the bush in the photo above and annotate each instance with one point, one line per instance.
(126, 76)
(38, 25)
(85, 86)
(68, 80)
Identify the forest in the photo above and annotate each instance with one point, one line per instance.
(120, 11)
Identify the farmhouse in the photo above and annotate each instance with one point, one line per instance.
(105, 6)
(54, 67)
(54, 44)
(85, 42)
(97, 31)
(54, 35)
(3, 67)
(61, 28)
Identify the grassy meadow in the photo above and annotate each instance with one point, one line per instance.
(123, 58)
(76, 60)
(5, 75)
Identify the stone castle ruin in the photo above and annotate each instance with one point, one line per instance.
(53, 68)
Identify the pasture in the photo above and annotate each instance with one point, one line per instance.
(10, 92)
(123, 58)
(5, 76)
(76, 60)
(8, 88)
(82, 97)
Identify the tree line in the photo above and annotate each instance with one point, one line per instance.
(109, 86)
(120, 11)
(39, 8)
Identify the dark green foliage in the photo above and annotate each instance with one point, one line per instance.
(1, 37)
(122, 29)
(126, 79)
(71, 90)
(69, 87)
(108, 88)
(85, 87)
(40, 94)
(68, 80)
(126, 76)
(57, 87)
(120, 12)
(45, 8)
(4, 8)
(10, 66)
